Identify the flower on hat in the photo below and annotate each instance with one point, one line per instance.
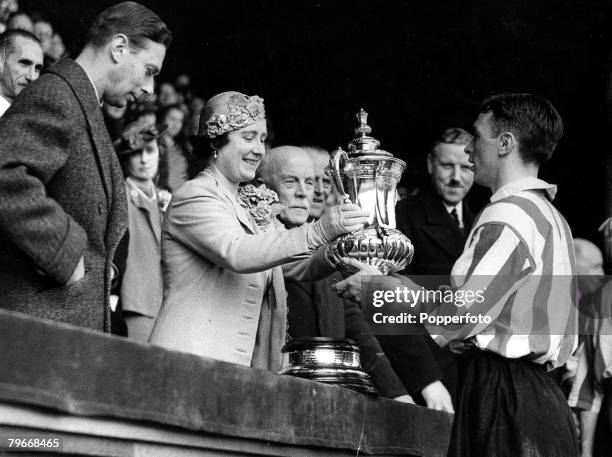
(242, 111)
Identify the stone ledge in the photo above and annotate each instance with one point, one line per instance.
(85, 373)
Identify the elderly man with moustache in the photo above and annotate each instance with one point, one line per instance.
(63, 207)
(314, 309)
(21, 59)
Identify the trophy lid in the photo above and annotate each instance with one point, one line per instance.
(363, 144)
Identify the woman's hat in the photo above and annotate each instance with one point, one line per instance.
(135, 136)
(229, 111)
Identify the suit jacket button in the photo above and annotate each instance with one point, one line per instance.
(100, 208)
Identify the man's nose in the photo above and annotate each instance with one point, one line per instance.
(31, 75)
(148, 87)
(456, 173)
(318, 188)
(301, 190)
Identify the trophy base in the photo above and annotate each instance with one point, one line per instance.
(334, 361)
(387, 249)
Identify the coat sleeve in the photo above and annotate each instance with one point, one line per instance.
(373, 359)
(207, 225)
(36, 142)
(412, 359)
(311, 268)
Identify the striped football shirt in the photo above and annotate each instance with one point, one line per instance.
(518, 262)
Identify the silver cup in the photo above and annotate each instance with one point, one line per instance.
(368, 177)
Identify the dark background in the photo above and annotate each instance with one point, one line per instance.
(416, 67)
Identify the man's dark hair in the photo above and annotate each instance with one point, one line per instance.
(533, 120)
(133, 20)
(8, 39)
(453, 135)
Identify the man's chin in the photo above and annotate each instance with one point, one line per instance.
(452, 201)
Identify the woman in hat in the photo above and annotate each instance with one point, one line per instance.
(141, 287)
(222, 251)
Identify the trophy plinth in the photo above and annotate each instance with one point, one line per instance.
(329, 360)
(368, 177)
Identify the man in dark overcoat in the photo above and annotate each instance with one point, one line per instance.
(63, 206)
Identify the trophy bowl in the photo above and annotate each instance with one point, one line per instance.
(329, 360)
(387, 249)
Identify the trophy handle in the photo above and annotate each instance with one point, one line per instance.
(337, 162)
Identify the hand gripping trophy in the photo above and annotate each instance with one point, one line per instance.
(368, 177)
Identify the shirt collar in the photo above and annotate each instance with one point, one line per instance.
(93, 84)
(529, 183)
(4, 105)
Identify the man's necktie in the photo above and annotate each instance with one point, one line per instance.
(455, 217)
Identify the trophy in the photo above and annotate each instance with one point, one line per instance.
(368, 177)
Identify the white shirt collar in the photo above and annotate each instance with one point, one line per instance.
(529, 183)
(93, 84)
(4, 105)
(458, 207)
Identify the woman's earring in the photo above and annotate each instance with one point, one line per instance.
(215, 154)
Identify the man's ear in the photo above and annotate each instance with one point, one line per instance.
(507, 144)
(430, 161)
(120, 47)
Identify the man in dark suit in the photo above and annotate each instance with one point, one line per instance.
(437, 222)
(63, 207)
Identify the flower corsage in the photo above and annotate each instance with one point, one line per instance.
(261, 203)
(163, 199)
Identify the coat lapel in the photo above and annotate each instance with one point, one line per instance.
(441, 228)
(138, 199)
(241, 213)
(82, 87)
(108, 164)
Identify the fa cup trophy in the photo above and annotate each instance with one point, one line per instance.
(368, 177)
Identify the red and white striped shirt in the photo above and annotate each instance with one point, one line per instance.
(520, 256)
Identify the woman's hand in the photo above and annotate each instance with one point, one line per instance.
(338, 220)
